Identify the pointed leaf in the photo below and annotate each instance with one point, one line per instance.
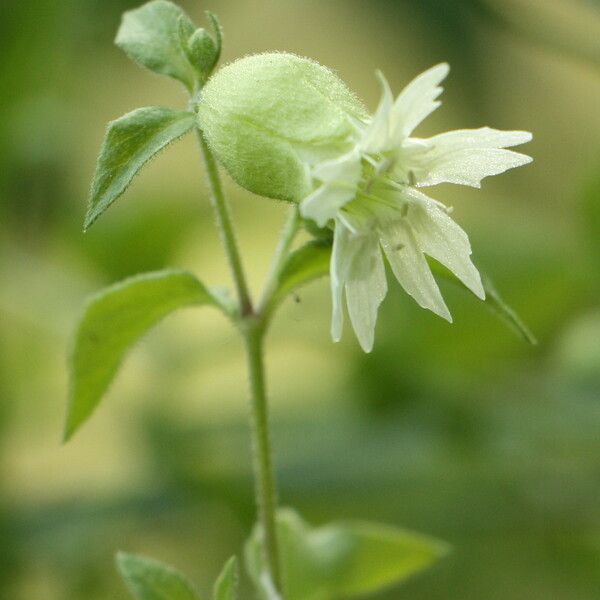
(304, 265)
(218, 33)
(497, 303)
(492, 299)
(311, 262)
(150, 35)
(130, 143)
(148, 579)
(226, 585)
(112, 322)
(202, 52)
(342, 560)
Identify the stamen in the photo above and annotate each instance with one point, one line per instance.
(399, 186)
(381, 169)
(371, 161)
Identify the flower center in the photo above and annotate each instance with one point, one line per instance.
(378, 199)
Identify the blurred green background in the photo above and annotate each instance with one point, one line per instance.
(463, 432)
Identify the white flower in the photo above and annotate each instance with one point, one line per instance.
(371, 194)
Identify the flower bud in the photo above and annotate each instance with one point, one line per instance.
(268, 117)
(202, 51)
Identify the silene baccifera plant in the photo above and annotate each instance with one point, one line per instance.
(287, 128)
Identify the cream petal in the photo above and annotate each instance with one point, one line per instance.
(346, 168)
(324, 203)
(466, 156)
(484, 137)
(365, 289)
(339, 268)
(417, 101)
(377, 134)
(441, 238)
(411, 269)
(467, 166)
(340, 178)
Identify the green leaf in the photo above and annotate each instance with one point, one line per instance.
(497, 303)
(493, 300)
(130, 143)
(226, 586)
(149, 579)
(202, 52)
(342, 560)
(218, 33)
(311, 262)
(150, 35)
(112, 322)
(304, 265)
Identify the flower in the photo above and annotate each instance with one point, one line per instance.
(371, 194)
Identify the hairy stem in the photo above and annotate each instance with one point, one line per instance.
(225, 227)
(266, 493)
(253, 327)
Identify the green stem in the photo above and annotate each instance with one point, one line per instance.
(253, 327)
(266, 493)
(281, 253)
(225, 227)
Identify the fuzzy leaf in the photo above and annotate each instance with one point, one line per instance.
(150, 35)
(202, 52)
(148, 579)
(112, 322)
(130, 142)
(304, 265)
(342, 560)
(226, 585)
(218, 29)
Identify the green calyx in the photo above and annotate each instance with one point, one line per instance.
(268, 117)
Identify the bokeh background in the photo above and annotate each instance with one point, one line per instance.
(463, 432)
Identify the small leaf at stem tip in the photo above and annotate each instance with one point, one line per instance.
(341, 560)
(112, 322)
(150, 36)
(226, 586)
(218, 33)
(148, 579)
(130, 142)
(202, 52)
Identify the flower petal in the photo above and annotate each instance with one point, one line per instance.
(441, 238)
(339, 268)
(345, 168)
(469, 166)
(377, 134)
(484, 137)
(365, 289)
(340, 178)
(324, 202)
(466, 156)
(417, 101)
(411, 268)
